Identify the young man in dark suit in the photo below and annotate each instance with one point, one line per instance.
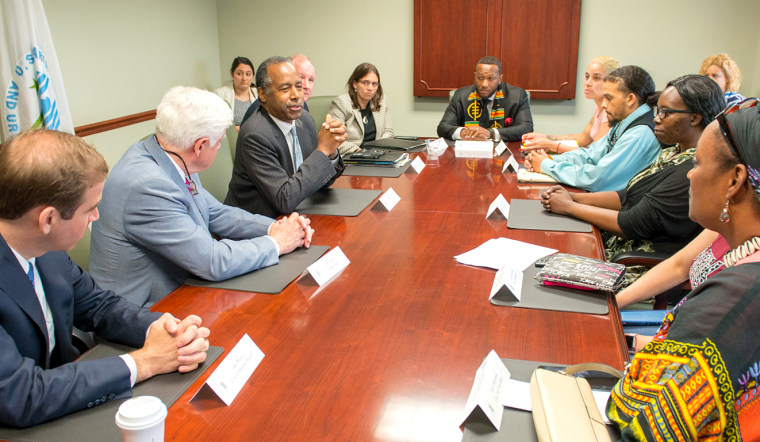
(51, 187)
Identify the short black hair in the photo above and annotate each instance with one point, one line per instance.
(263, 80)
(633, 79)
(490, 60)
(701, 95)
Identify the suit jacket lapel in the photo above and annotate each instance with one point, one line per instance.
(282, 143)
(55, 283)
(15, 285)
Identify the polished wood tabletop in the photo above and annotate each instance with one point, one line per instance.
(388, 350)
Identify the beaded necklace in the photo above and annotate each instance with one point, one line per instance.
(745, 249)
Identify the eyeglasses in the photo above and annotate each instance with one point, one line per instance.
(663, 112)
(367, 83)
(725, 129)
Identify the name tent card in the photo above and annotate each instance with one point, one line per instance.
(417, 165)
(328, 266)
(484, 405)
(387, 201)
(511, 163)
(507, 284)
(230, 376)
(499, 207)
(500, 148)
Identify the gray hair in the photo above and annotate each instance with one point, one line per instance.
(187, 114)
(263, 80)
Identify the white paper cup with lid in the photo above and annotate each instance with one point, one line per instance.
(141, 419)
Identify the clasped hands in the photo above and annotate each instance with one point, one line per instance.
(172, 345)
(475, 133)
(557, 199)
(291, 232)
(331, 135)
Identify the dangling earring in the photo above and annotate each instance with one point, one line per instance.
(724, 215)
(355, 90)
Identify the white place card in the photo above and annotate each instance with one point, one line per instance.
(511, 163)
(329, 265)
(417, 165)
(498, 206)
(507, 283)
(485, 401)
(234, 371)
(500, 148)
(440, 145)
(387, 200)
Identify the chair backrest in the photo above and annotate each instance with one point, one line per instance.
(216, 179)
(231, 137)
(451, 94)
(318, 107)
(80, 254)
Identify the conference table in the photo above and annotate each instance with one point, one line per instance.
(389, 348)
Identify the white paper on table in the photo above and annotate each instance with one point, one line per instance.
(498, 252)
(601, 398)
(516, 394)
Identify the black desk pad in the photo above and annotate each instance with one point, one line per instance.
(538, 296)
(531, 215)
(272, 279)
(337, 202)
(516, 425)
(378, 171)
(98, 423)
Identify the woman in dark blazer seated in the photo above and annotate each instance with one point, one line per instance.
(362, 109)
(652, 212)
(698, 378)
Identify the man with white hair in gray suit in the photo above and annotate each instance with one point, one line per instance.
(158, 224)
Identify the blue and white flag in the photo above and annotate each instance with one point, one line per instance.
(30, 78)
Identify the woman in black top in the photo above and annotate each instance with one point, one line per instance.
(652, 212)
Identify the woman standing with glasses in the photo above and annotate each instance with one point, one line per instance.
(698, 378)
(651, 213)
(362, 109)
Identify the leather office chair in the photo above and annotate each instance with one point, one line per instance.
(80, 254)
(318, 107)
(451, 94)
(231, 136)
(216, 179)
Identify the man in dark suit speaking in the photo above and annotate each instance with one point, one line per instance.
(487, 110)
(51, 187)
(280, 159)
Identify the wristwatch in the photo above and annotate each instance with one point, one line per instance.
(493, 134)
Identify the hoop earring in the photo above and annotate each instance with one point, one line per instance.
(724, 215)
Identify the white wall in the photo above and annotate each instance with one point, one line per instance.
(667, 38)
(119, 57)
